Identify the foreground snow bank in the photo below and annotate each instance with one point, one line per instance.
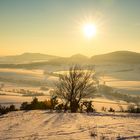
(41, 125)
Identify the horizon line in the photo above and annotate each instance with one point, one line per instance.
(67, 55)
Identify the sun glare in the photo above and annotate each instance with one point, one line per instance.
(89, 30)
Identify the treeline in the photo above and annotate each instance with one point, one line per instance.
(111, 93)
(133, 109)
(32, 65)
(51, 104)
(55, 106)
(25, 92)
(4, 110)
(42, 105)
(23, 81)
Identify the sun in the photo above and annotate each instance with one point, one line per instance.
(89, 30)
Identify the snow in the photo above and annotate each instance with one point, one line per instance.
(43, 125)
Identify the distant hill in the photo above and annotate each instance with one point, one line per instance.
(126, 57)
(74, 59)
(79, 57)
(27, 58)
(37, 60)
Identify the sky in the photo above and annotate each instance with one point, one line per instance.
(56, 26)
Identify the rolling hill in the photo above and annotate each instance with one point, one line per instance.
(27, 58)
(125, 57)
(36, 60)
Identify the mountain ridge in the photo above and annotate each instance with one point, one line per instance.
(112, 57)
(27, 57)
(117, 57)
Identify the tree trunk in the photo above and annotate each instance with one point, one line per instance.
(74, 106)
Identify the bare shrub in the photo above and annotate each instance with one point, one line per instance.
(74, 86)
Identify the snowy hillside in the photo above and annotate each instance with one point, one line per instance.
(41, 125)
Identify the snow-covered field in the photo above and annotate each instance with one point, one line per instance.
(123, 79)
(42, 125)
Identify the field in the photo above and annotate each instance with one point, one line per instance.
(41, 125)
(22, 85)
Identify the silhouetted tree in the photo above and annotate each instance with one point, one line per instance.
(54, 102)
(74, 86)
(87, 106)
(12, 108)
(4, 110)
(43, 105)
(111, 110)
(25, 106)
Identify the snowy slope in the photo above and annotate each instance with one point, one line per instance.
(41, 125)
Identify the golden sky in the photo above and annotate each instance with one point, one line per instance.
(56, 27)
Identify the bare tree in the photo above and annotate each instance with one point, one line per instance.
(75, 85)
